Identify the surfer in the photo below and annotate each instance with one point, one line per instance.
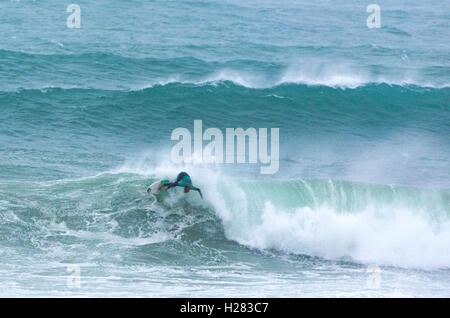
(183, 180)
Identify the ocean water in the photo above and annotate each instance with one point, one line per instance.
(360, 205)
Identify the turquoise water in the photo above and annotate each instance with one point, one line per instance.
(362, 194)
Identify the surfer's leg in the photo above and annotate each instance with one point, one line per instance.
(171, 184)
(179, 181)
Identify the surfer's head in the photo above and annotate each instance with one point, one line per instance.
(186, 189)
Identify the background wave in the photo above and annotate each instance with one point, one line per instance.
(114, 72)
(325, 132)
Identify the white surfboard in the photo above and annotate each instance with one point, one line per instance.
(154, 188)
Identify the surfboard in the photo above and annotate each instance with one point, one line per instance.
(155, 187)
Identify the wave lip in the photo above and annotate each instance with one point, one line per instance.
(342, 76)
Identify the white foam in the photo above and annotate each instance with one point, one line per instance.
(110, 238)
(317, 73)
(389, 235)
(238, 77)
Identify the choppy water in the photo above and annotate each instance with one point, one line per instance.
(360, 205)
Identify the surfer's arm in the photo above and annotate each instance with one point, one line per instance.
(199, 192)
(170, 185)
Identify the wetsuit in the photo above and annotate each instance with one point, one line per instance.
(183, 180)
